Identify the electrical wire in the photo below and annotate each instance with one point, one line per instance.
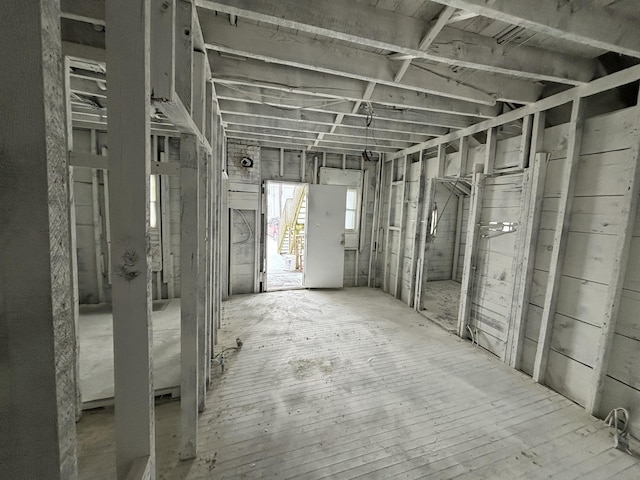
(250, 237)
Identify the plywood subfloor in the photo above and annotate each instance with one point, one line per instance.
(441, 302)
(96, 350)
(353, 384)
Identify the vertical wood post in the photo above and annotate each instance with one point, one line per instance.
(464, 156)
(403, 199)
(374, 247)
(559, 240)
(415, 254)
(37, 333)
(189, 266)
(490, 151)
(442, 156)
(387, 242)
(129, 136)
(202, 275)
(456, 245)
(423, 259)
(525, 260)
(470, 253)
(184, 53)
(618, 272)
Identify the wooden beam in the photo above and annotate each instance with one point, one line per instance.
(202, 297)
(526, 244)
(470, 253)
(378, 29)
(575, 128)
(423, 258)
(184, 53)
(442, 156)
(163, 48)
(436, 27)
(603, 84)
(260, 43)
(618, 273)
(259, 89)
(128, 137)
(88, 160)
(463, 151)
(586, 25)
(416, 234)
(199, 90)
(397, 291)
(402, 122)
(456, 245)
(490, 150)
(525, 141)
(189, 271)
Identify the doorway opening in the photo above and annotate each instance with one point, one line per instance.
(285, 238)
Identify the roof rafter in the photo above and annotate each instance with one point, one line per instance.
(586, 24)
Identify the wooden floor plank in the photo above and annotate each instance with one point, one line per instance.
(354, 384)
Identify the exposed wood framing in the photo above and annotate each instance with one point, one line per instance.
(397, 289)
(375, 235)
(202, 297)
(189, 265)
(128, 137)
(415, 254)
(616, 282)
(490, 150)
(527, 243)
(586, 24)
(456, 245)
(423, 256)
(470, 254)
(352, 23)
(575, 128)
(599, 85)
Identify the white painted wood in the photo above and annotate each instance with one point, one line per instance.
(404, 191)
(324, 249)
(73, 250)
(559, 240)
(375, 230)
(470, 254)
(490, 150)
(427, 40)
(389, 169)
(252, 78)
(97, 236)
(423, 258)
(89, 160)
(441, 159)
(456, 245)
(189, 271)
(199, 90)
(350, 23)
(530, 223)
(127, 43)
(525, 141)
(599, 85)
(589, 25)
(415, 254)
(202, 284)
(184, 54)
(303, 164)
(163, 47)
(621, 258)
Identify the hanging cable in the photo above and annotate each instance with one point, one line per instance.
(250, 237)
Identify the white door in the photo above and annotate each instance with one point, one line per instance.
(324, 250)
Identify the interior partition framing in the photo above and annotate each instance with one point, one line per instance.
(606, 380)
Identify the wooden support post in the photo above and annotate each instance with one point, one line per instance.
(75, 305)
(324, 159)
(210, 110)
(37, 352)
(209, 278)
(374, 247)
(165, 224)
(127, 43)
(184, 53)
(203, 298)
(344, 161)
(303, 165)
(423, 257)
(189, 255)
(464, 156)
(416, 234)
(403, 199)
(470, 253)
(559, 240)
(442, 156)
(618, 273)
(385, 271)
(199, 109)
(525, 141)
(456, 246)
(528, 228)
(97, 224)
(281, 162)
(490, 150)
(315, 169)
(107, 219)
